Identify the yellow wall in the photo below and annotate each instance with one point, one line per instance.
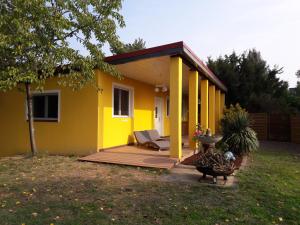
(75, 133)
(86, 121)
(119, 131)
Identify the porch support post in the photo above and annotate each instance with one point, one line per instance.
(212, 108)
(193, 105)
(175, 107)
(218, 110)
(222, 104)
(204, 104)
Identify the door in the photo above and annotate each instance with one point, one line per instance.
(158, 115)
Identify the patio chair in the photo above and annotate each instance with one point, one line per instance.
(154, 135)
(143, 138)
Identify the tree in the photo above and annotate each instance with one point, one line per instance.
(298, 74)
(251, 82)
(34, 43)
(294, 95)
(120, 48)
(297, 88)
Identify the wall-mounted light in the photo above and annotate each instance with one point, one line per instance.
(160, 87)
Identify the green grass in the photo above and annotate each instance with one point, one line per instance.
(60, 190)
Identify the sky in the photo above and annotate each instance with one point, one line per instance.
(217, 27)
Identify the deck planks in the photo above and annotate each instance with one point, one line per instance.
(136, 156)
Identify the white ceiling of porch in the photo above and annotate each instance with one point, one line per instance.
(154, 71)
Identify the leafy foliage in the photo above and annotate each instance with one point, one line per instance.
(35, 40)
(251, 82)
(238, 137)
(120, 48)
(298, 74)
(294, 94)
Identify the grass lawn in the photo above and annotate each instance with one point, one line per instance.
(60, 190)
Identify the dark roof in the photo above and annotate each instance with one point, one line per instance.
(173, 49)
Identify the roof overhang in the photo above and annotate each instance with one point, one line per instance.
(173, 49)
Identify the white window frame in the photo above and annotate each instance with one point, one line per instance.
(131, 99)
(46, 92)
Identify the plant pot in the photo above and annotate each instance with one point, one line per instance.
(205, 170)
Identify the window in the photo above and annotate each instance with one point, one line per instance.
(45, 106)
(184, 108)
(122, 102)
(168, 106)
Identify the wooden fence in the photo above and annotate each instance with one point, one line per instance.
(276, 127)
(295, 129)
(259, 123)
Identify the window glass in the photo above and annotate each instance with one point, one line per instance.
(53, 106)
(116, 101)
(38, 106)
(121, 102)
(125, 103)
(168, 106)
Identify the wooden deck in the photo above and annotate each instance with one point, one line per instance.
(136, 156)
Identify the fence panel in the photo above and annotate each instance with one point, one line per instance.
(295, 129)
(259, 123)
(279, 127)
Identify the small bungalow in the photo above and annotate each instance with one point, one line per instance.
(167, 88)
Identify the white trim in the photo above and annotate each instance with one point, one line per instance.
(42, 93)
(131, 99)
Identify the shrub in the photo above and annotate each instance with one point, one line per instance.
(238, 137)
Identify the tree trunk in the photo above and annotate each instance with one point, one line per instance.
(30, 119)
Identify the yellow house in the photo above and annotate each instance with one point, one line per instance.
(167, 88)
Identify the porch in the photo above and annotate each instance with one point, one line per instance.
(189, 92)
(133, 155)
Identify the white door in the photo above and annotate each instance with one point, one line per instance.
(158, 115)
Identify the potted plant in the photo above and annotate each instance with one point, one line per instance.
(238, 137)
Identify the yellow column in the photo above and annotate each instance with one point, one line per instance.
(175, 107)
(212, 108)
(193, 106)
(218, 110)
(204, 104)
(222, 104)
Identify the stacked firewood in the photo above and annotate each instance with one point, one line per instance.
(216, 162)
